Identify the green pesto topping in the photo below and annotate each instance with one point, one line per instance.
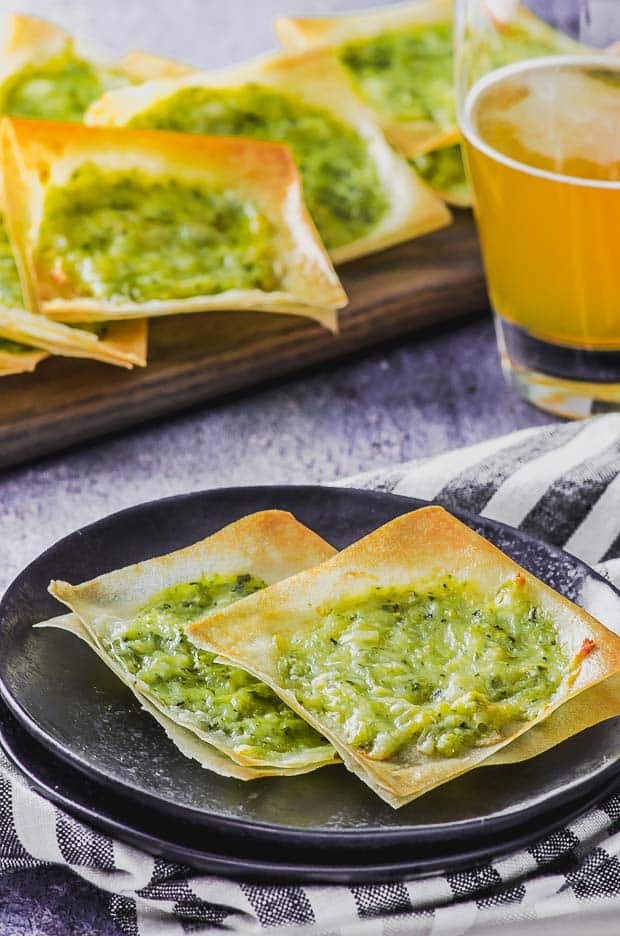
(10, 286)
(406, 75)
(60, 89)
(244, 712)
(126, 235)
(444, 171)
(443, 667)
(341, 185)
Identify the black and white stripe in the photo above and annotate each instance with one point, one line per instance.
(561, 483)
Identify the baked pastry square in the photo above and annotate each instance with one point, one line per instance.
(110, 224)
(419, 652)
(135, 619)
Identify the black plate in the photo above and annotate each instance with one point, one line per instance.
(66, 698)
(183, 842)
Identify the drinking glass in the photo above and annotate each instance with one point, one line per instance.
(538, 99)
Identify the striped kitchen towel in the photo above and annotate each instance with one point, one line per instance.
(561, 483)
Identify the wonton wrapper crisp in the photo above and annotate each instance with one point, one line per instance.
(316, 79)
(19, 362)
(270, 545)
(37, 154)
(420, 547)
(124, 344)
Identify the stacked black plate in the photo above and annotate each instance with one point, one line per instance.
(82, 740)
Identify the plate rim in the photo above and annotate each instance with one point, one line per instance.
(269, 871)
(348, 838)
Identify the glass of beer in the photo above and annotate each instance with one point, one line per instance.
(539, 111)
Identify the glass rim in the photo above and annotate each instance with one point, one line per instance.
(468, 130)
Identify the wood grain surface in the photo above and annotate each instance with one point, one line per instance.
(199, 357)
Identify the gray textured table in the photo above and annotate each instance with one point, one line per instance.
(436, 391)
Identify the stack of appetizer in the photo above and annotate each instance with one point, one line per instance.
(144, 187)
(416, 654)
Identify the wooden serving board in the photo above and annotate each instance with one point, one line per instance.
(198, 357)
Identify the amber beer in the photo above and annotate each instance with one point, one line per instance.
(542, 141)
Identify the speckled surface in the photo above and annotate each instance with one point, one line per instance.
(438, 390)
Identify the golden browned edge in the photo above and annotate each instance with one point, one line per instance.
(421, 546)
(270, 544)
(319, 80)
(16, 211)
(185, 740)
(264, 541)
(23, 362)
(264, 172)
(125, 344)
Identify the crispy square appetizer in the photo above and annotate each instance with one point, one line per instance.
(110, 224)
(135, 620)
(419, 652)
(399, 59)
